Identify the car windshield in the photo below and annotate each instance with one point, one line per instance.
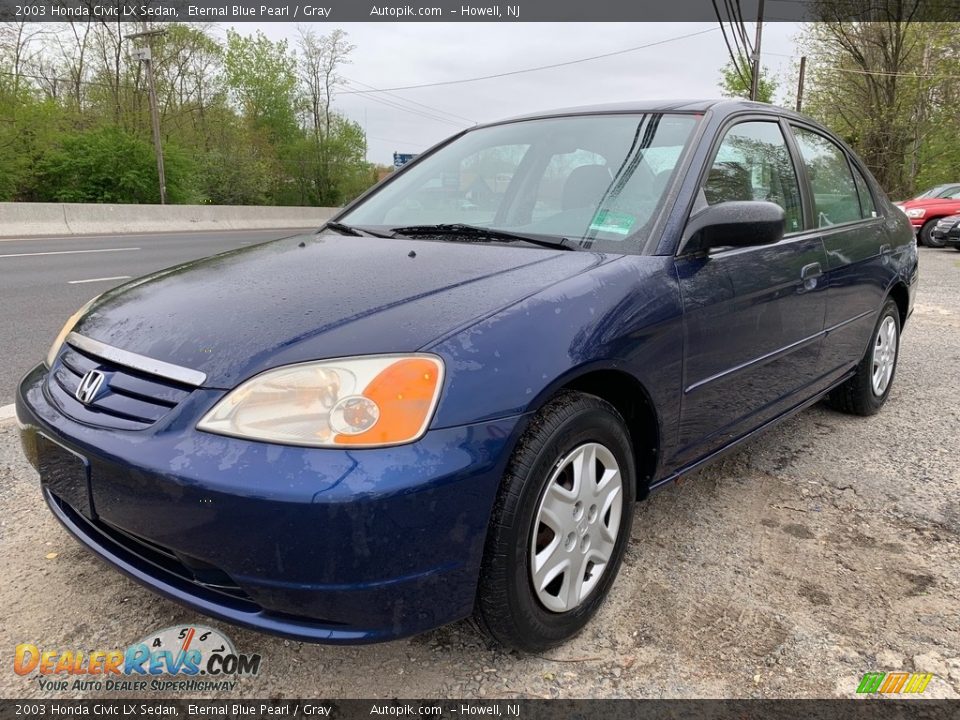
(940, 191)
(593, 181)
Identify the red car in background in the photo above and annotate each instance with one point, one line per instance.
(926, 209)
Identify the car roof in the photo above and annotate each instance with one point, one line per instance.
(724, 106)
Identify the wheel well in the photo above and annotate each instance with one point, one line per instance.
(901, 297)
(631, 400)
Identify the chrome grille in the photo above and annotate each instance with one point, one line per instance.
(130, 399)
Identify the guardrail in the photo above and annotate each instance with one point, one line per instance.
(39, 219)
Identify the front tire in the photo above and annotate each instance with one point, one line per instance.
(560, 525)
(867, 391)
(926, 235)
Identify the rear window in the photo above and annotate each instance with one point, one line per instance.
(835, 195)
(867, 207)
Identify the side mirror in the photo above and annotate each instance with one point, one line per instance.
(736, 223)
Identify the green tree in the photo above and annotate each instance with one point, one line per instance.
(890, 88)
(735, 81)
(243, 121)
(262, 76)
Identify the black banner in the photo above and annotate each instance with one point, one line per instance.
(872, 709)
(342, 11)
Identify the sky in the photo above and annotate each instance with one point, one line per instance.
(389, 55)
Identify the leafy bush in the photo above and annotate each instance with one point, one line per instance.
(111, 165)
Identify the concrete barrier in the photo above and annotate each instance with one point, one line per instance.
(38, 219)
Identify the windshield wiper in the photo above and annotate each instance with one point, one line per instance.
(354, 231)
(477, 233)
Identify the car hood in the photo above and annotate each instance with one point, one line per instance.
(233, 315)
(932, 204)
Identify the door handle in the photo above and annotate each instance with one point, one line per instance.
(886, 250)
(809, 275)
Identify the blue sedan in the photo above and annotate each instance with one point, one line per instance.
(446, 402)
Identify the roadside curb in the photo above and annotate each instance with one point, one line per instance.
(26, 220)
(154, 233)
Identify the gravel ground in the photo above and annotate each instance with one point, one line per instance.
(823, 550)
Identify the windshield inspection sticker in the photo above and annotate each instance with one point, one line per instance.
(613, 222)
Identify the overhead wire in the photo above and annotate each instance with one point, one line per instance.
(413, 111)
(538, 68)
(412, 102)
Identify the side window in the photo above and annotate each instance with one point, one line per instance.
(753, 163)
(867, 207)
(835, 198)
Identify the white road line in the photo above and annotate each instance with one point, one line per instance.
(68, 252)
(8, 412)
(81, 282)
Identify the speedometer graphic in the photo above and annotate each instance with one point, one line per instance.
(190, 650)
(182, 639)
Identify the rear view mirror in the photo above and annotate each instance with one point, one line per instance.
(737, 223)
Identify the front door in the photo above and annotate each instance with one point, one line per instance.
(753, 317)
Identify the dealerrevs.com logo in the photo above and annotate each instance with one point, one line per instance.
(181, 658)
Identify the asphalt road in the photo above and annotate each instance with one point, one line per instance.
(44, 280)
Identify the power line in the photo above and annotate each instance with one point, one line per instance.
(65, 80)
(412, 102)
(896, 74)
(125, 86)
(538, 68)
(940, 76)
(394, 140)
(410, 110)
(402, 108)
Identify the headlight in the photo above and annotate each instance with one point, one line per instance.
(67, 329)
(916, 212)
(352, 402)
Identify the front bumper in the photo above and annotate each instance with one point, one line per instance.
(338, 546)
(950, 237)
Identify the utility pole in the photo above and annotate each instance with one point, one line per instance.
(922, 104)
(803, 71)
(145, 56)
(755, 74)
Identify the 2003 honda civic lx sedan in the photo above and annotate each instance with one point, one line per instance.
(446, 402)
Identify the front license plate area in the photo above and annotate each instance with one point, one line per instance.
(65, 474)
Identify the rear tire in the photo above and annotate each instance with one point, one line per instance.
(867, 391)
(926, 235)
(573, 470)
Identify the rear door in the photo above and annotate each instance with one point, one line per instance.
(753, 317)
(859, 267)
